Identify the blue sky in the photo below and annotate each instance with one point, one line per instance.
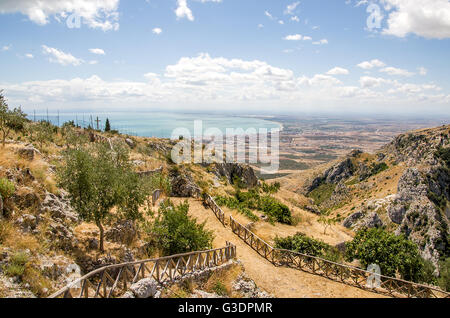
(250, 55)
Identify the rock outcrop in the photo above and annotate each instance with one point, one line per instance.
(182, 184)
(27, 153)
(145, 288)
(59, 207)
(123, 232)
(231, 171)
(337, 173)
(360, 220)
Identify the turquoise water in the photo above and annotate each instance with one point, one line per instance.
(157, 124)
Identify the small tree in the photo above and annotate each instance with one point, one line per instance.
(97, 180)
(43, 132)
(10, 119)
(394, 254)
(176, 232)
(107, 125)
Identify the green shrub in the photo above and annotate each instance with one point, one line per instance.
(443, 280)
(322, 193)
(7, 188)
(306, 245)
(275, 209)
(16, 266)
(444, 155)
(175, 232)
(394, 254)
(220, 289)
(250, 200)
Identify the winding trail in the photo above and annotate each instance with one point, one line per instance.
(282, 282)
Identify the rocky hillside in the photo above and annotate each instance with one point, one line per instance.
(404, 187)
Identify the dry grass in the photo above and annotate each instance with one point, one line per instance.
(221, 281)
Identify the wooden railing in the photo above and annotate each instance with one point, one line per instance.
(345, 274)
(338, 272)
(255, 242)
(114, 280)
(209, 201)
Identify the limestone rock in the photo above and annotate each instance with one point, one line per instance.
(61, 236)
(130, 142)
(27, 153)
(352, 219)
(182, 184)
(27, 222)
(59, 207)
(236, 170)
(123, 232)
(145, 288)
(371, 220)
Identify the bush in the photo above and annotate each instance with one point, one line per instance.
(175, 232)
(306, 245)
(16, 266)
(394, 254)
(7, 188)
(322, 193)
(273, 208)
(444, 278)
(444, 155)
(220, 289)
(250, 200)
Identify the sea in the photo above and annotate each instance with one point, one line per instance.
(157, 124)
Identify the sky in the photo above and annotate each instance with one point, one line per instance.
(255, 56)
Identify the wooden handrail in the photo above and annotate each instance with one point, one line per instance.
(342, 273)
(165, 269)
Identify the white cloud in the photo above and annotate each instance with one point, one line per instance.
(290, 9)
(396, 71)
(338, 71)
(57, 56)
(426, 18)
(97, 51)
(307, 38)
(100, 14)
(29, 56)
(367, 65)
(6, 48)
(293, 37)
(204, 81)
(157, 31)
(368, 81)
(183, 11)
(295, 18)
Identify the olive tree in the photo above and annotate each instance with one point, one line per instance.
(99, 179)
(10, 119)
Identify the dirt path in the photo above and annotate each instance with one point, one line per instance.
(280, 281)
